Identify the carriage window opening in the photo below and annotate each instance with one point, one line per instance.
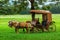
(39, 16)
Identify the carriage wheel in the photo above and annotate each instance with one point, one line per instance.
(52, 27)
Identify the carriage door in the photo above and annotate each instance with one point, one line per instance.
(47, 16)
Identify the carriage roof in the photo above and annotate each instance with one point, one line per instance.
(41, 11)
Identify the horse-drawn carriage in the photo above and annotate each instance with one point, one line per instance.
(46, 15)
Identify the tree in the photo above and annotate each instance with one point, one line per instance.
(32, 8)
(48, 7)
(20, 5)
(41, 1)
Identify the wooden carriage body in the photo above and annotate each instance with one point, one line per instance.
(45, 14)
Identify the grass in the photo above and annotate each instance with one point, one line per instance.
(7, 33)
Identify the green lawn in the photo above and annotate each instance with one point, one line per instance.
(7, 33)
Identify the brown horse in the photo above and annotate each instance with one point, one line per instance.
(36, 24)
(18, 25)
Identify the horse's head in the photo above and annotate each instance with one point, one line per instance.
(10, 23)
(13, 23)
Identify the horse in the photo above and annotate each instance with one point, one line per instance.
(18, 25)
(36, 24)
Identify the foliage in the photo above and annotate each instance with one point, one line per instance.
(55, 8)
(19, 6)
(46, 7)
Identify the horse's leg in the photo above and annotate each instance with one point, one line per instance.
(32, 29)
(27, 29)
(23, 30)
(16, 30)
(37, 29)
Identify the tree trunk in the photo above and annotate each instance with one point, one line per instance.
(32, 8)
